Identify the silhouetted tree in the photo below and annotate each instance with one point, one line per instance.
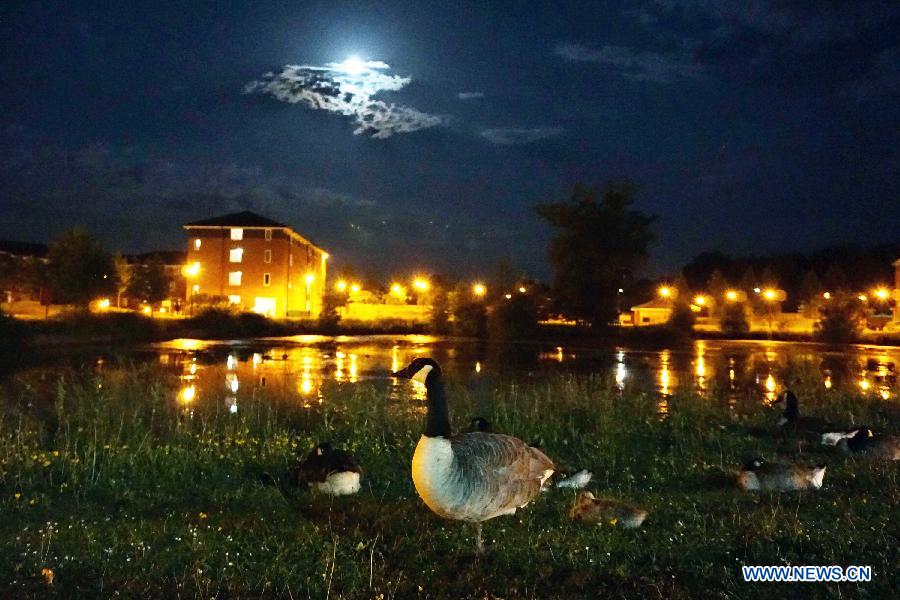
(716, 287)
(734, 319)
(149, 282)
(79, 270)
(599, 242)
(842, 320)
(329, 317)
(513, 319)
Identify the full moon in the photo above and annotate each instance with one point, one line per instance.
(353, 65)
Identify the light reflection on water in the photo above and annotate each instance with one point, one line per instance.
(755, 370)
(304, 366)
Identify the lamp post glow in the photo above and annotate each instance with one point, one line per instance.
(827, 295)
(341, 286)
(881, 293)
(192, 271)
(355, 288)
(479, 290)
(665, 291)
(421, 284)
(731, 295)
(700, 300)
(769, 294)
(398, 290)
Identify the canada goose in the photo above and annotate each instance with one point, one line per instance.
(328, 471)
(589, 509)
(561, 477)
(792, 419)
(470, 476)
(865, 442)
(759, 475)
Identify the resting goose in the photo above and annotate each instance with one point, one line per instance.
(470, 476)
(329, 471)
(866, 442)
(759, 475)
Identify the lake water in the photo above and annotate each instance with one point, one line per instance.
(303, 367)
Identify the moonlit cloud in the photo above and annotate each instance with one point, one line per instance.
(637, 65)
(513, 135)
(348, 88)
(470, 95)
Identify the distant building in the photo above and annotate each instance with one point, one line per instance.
(18, 264)
(256, 264)
(655, 312)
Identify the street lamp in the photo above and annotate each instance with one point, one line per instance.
(665, 291)
(479, 290)
(732, 295)
(341, 286)
(192, 271)
(421, 284)
(700, 300)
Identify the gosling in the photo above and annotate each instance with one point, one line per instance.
(599, 511)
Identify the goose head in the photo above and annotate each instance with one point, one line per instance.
(421, 370)
(480, 424)
(791, 408)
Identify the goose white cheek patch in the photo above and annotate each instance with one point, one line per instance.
(422, 374)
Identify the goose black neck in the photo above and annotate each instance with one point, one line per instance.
(437, 423)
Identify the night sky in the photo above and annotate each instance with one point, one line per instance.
(750, 125)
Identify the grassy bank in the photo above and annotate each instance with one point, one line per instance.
(109, 485)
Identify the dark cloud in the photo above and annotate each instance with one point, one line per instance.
(512, 135)
(637, 65)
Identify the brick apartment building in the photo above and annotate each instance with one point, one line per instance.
(256, 264)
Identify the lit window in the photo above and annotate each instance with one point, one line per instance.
(237, 233)
(268, 235)
(267, 256)
(235, 255)
(267, 278)
(197, 243)
(291, 260)
(234, 299)
(234, 278)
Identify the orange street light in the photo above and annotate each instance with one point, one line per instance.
(397, 290)
(863, 298)
(522, 289)
(700, 300)
(827, 295)
(882, 293)
(421, 284)
(479, 290)
(665, 291)
(731, 295)
(191, 270)
(770, 294)
(341, 285)
(355, 288)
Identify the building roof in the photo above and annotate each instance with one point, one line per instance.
(23, 248)
(245, 218)
(654, 303)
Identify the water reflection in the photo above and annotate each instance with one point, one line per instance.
(222, 373)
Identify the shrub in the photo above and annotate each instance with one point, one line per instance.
(840, 321)
(734, 319)
(513, 319)
(681, 321)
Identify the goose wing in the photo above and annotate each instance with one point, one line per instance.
(495, 474)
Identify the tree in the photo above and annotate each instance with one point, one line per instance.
(599, 242)
(734, 319)
(329, 317)
(810, 294)
(717, 286)
(842, 320)
(79, 270)
(513, 319)
(149, 282)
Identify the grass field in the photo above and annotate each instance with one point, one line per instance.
(110, 486)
